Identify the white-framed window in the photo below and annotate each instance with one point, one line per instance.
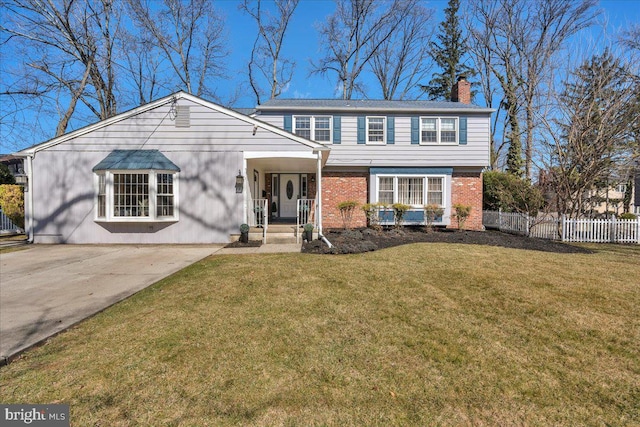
(411, 191)
(621, 188)
(102, 196)
(315, 128)
(385, 190)
(165, 205)
(435, 191)
(415, 191)
(140, 195)
(439, 130)
(376, 130)
(130, 195)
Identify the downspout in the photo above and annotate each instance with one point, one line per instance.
(30, 198)
(319, 197)
(319, 191)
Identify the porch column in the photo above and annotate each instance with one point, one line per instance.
(245, 214)
(319, 190)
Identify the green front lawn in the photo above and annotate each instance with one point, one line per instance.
(424, 334)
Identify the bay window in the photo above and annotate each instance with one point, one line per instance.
(136, 185)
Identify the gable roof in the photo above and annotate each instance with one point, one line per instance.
(160, 102)
(351, 105)
(136, 159)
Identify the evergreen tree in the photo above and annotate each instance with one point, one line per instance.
(447, 53)
(5, 175)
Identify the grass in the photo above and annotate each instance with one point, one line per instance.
(424, 334)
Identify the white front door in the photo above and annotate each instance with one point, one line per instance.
(289, 194)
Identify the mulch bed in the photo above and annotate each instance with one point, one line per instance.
(366, 239)
(249, 244)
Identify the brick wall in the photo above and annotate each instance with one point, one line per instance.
(339, 187)
(466, 189)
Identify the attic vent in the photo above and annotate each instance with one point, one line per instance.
(183, 116)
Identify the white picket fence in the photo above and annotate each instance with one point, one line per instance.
(7, 226)
(611, 230)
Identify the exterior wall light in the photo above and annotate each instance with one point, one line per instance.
(239, 182)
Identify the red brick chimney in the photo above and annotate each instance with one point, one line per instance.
(461, 91)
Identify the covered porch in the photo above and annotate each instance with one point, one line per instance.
(283, 189)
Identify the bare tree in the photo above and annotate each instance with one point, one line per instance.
(402, 60)
(69, 48)
(523, 38)
(590, 139)
(352, 35)
(190, 34)
(266, 60)
(144, 67)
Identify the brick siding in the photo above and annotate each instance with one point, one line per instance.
(466, 189)
(339, 187)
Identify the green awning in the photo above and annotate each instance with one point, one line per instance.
(136, 159)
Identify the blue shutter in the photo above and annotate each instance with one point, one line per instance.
(415, 130)
(288, 123)
(361, 130)
(463, 131)
(391, 130)
(337, 131)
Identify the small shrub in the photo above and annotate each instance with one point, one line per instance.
(372, 212)
(431, 212)
(244, 228)
(628, 215)
(346, 212)
(399, 210)
(461, 214)
(308, 227)
(12, 203)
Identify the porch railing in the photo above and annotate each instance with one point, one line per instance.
(259, 216)
(306, 214)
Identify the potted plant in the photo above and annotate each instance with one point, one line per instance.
(308, 232)
(244, 233)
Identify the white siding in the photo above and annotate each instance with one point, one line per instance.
(209, 154)
(402, 153)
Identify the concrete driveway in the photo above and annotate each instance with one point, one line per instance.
(45, 289)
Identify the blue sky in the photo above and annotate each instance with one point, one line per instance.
(302, 41)
(302, 44)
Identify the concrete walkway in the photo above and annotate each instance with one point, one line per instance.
(45, 289)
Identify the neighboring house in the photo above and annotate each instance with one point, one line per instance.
(184, 170)
(16, 167)
(606, 201)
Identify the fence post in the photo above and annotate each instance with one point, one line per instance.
(527, 225)
(564, 228)
(612, 229)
